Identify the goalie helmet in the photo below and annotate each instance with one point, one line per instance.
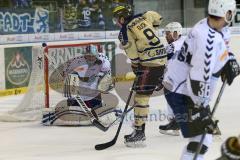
(220, 8)
(92, 49)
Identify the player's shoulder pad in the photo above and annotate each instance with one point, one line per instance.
(202, 29)
(153, 17)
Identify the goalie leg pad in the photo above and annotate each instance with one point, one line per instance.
(63, 114)
(106, 114)
(95, 102)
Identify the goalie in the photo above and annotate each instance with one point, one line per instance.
(85, 77)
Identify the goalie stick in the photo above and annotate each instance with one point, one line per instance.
(90, 114)
(212, 113)
(114, 140)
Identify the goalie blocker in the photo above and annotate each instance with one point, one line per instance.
(85, 78)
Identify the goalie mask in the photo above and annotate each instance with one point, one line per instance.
(91, 54)
(92, 50)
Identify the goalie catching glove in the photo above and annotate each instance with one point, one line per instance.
(105, 83)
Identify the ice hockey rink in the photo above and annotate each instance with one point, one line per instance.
(32, 141)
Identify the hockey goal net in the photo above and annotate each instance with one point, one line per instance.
(46, 83)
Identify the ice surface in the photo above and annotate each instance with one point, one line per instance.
(32, 141)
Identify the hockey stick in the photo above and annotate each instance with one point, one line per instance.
(90, 113)
(114, 140)
(212, 113)
(105, 128)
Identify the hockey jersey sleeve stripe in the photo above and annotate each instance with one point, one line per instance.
(154, 58)
(134, 59)
(151, 48)
(179, 85)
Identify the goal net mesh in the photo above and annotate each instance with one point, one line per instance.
(45, 88)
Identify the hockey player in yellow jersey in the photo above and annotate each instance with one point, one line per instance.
(148, 56)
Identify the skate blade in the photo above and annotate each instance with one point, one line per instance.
(217, 132)
(138, 144)
(170, 132)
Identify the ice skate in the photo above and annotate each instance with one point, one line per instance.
(137, 138)
(171, 128)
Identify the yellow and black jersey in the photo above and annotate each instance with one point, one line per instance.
(140, 41)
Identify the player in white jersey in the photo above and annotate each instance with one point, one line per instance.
(86, 76)
(173, 35)
(194, 70)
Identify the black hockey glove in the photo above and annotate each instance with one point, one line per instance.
(204, 120)
(230, 70)
(200, 118)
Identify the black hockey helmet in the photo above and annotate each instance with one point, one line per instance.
(122, 11)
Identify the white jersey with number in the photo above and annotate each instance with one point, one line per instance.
(174, 47)
(194, 70)
(88, 73)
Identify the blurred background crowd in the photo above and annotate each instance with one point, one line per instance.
(44, 16)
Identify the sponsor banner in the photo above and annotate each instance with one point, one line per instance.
(237, 18)
(235, 30)
(43, 37)
(18, 65)
(69, 36)
(24, 21)
(91, 35)
(66, 36)
(2, 78)
(112, 34)
(14, 91)
(16, 38)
